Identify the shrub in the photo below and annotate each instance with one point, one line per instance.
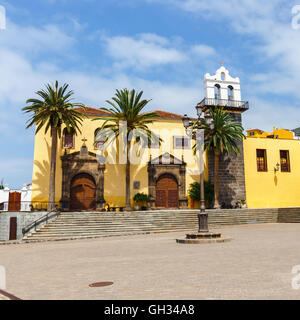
(141, 197)
(194, 191)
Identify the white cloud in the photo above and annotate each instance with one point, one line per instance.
(147, 50)
(203, 51)
(142, 51)
(31, 40)
(270, 23)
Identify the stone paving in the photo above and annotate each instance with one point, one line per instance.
(257, 264)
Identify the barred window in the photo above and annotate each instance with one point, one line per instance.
(261, 158)
(285, 161)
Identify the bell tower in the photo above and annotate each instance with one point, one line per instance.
(224, 91)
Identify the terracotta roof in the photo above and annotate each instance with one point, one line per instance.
(169, 115)
(93, 111)
(162, 114)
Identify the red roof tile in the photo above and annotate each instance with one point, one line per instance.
(169, 115)
(162, 114)
(93, 111)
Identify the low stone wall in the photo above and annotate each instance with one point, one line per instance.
(246, 216)
(289, 215)
(23, 220)
(249, 216)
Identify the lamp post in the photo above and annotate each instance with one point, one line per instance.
(187, 123)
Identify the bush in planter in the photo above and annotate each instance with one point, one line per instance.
(141, 198)
(194, 192)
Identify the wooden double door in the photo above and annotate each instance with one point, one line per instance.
(14, 203)
(83, 193)
(167, 192)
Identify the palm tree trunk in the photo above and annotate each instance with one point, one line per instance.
(51, 205)
(216, 179)
(128, 204)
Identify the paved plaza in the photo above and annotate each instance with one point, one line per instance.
(257, 264)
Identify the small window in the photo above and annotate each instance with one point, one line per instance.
(68, 139)
(181, 143)
(152, 143)
(261, 158)
(285, 161)
(100, 139)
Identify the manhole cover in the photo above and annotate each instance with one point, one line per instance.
(101, 284)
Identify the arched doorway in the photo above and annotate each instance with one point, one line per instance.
(83, 193)
(167, 192)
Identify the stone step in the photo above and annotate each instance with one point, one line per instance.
(68, 235)
(81, 225)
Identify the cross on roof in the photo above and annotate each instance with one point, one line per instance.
(84, 140)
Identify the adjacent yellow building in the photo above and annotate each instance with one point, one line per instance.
(272, 171)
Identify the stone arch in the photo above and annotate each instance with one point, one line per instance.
(82, 162)
(175, 167)
(87, 172)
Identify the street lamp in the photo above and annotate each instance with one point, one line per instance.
(203, 235)
(202, 216)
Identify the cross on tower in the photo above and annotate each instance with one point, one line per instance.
(222, 62)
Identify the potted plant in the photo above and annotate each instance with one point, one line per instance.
(243, 203)
(141, 199)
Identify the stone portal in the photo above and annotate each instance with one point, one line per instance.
(83, 177)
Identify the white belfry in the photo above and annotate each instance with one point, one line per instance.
(222, 87)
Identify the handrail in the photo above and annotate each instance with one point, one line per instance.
(25, 206)
(235, 104)
(40, 220)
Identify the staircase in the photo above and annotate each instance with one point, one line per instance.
(84, 225)
(81, 225)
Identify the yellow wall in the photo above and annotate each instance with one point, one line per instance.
(114, 179)
(270, 189)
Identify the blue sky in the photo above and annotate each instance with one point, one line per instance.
(163, 47)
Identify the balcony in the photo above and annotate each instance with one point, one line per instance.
(232, 105)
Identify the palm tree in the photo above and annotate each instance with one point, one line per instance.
(52, 111)
(126, 107)
(222, 138)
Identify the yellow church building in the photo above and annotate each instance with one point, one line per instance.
(265, 174)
